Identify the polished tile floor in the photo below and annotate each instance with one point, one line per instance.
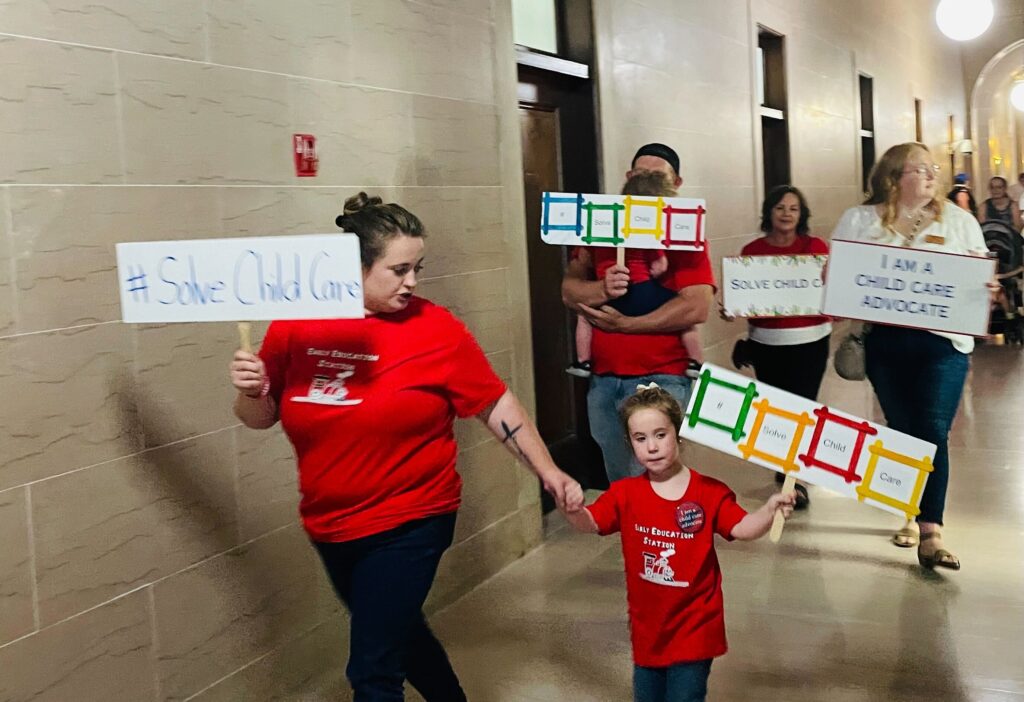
(833, 613)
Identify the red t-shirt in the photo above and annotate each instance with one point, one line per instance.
(638, 261)
(673, 582)
(803, 246)
(369, 406)
(652, 354)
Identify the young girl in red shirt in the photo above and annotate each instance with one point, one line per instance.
(667, 519)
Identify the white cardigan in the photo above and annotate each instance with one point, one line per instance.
(959, 230)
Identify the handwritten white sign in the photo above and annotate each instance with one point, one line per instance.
(816, 443)
(215, 280)
(909, 287)
(772, 286)
(623, 221)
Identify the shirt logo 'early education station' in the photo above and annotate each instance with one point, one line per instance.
(325, 389)
(658, 571)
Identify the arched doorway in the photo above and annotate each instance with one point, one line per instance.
(997, 128)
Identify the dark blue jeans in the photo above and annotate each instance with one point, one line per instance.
(919, 378)
(384, 579)
(682, 682)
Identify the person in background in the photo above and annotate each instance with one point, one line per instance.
(1016, 191)
(648, 348)
(789, 353)
(999, 205)
(645, 293)
(917, 375)
(961, 194)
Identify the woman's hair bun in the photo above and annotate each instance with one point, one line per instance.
(360, 202)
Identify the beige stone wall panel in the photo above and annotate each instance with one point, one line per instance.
(134, 521)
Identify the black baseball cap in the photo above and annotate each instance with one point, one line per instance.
(666, 153)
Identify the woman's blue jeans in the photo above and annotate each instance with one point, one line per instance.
(919, 378)
(384, 579)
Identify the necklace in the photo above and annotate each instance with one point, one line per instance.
(917, 218)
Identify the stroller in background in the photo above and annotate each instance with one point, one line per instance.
(1006, 246)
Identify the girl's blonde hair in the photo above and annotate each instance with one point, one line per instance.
(652, 398)
(884, 184)
(651, 183)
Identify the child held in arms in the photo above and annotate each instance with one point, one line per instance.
(646, 293)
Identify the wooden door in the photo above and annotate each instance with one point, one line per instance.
(550, 322)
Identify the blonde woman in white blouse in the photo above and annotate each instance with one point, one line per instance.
(917, 375)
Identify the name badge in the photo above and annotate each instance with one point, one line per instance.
(935, 239)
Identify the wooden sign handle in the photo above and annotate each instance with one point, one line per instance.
(778, 521)
(620, 256)
(245, 336)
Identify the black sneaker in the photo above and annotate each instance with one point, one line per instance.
(581, 369)
(693, 369)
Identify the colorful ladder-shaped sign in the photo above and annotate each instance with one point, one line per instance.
(545, 220)
(788, 462)
(613, 236)
(863, 430)
(657, 228)
(749, 392)
(668, 242)
(866, 489)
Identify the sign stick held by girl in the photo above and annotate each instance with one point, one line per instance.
(667, 519)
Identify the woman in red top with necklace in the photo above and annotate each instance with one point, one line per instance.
(369, 405)
(789, 353)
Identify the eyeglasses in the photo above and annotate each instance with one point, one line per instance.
(932, 170)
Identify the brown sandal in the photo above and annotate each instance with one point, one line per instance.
(907, 536)
(940, 559)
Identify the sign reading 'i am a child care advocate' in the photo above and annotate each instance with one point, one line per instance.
(909, 287)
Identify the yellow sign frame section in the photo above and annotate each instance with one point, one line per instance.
(802, 421)
(658, 230)
(922, 465)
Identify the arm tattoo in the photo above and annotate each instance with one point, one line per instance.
(510, 440)
(510, 434)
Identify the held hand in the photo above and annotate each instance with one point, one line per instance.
(567, 492)
(616, 282)
(781, 501)
(606, 319)
(247, 373)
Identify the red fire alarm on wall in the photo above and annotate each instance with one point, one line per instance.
(306, 161)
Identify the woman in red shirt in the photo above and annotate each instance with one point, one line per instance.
(667, 519)
(789, 353)
(369, 406)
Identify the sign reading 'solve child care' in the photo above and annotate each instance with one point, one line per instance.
(210, 280)
(909, 287)
(772, 286)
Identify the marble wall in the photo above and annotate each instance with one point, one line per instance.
(150, 545)
(682, 72)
